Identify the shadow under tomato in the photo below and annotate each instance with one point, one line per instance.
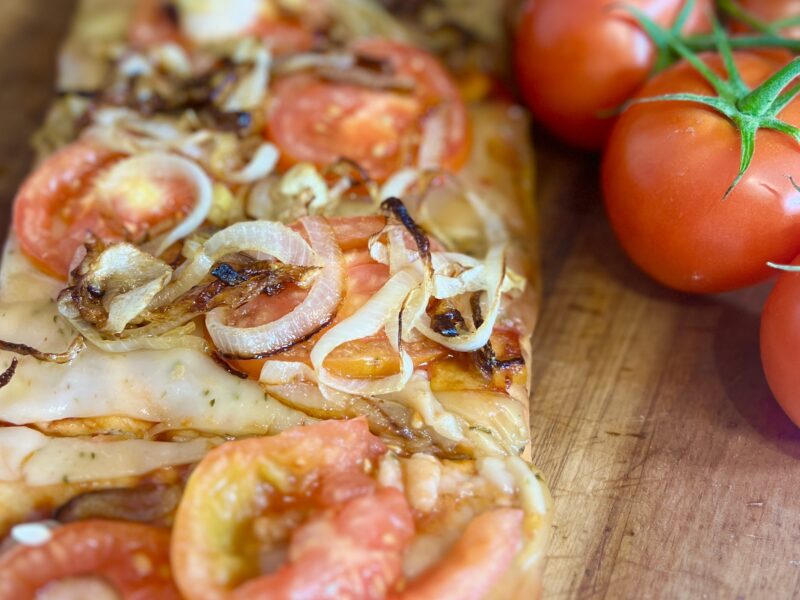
(736, 355)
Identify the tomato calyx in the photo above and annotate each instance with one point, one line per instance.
(748, 110)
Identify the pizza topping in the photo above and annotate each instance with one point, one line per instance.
(52, 357)
(373, 116)
(313, 313)
(29, 456)
(91, 559)
(152, 503)
(324, 511)
(5, 376)
(254, 493)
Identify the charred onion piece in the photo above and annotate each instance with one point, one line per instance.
(60, 358)
(367, 78)
(395, 207)
(447, 320)
(220, 360)
(5, 376)
(149, 503)
(485, 358)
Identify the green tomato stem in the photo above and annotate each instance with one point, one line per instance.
(760, 101)
(704, 42)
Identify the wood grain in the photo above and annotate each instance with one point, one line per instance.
(675, 473)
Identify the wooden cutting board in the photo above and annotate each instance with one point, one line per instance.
(675, 474)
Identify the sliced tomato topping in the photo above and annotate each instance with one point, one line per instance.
(283, 36)
(152, 23)
(353, 233)
(84, 188)
(298, 507)
(320, 121)
(130, 558)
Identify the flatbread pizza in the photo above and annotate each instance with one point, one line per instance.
(282, 253)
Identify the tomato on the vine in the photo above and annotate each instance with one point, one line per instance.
(780, 342)
(771, 11)
(666, 170)
(577, 60)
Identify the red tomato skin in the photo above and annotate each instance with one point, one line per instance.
(109, 549)
(780, 342)
(772, 10)
(576, 60)
(665, 171)
(65, 174)
(318, 121)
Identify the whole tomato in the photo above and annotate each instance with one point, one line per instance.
(780, 342)
(665, 173)
(579, 59)
(769, 11)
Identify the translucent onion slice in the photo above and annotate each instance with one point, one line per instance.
(308, 317)
(432, 143)
(494, 278)
(212, 20)
(127, 175)
(468, 275)
(376, 314)
(261, 165)
(261, 237)
(418, 396)
(249, 91)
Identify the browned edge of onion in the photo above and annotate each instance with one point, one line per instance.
(5, 376)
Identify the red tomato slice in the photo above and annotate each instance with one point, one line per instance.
(368, 357)
(66, 198)
(321, 121)
(307, 488)
(153, 22)
(283, 36)
(130, 557)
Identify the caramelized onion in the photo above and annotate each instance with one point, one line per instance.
(308, 317)
(147, 503)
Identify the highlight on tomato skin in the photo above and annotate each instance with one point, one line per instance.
(780, 342)
(665, 172)
(577, 62)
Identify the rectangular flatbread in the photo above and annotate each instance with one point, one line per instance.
(257, 223)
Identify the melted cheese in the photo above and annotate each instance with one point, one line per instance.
(178, 388)
(29, 456)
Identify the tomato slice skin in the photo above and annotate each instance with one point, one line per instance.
(576, 60)
(665, 172)
(321, 121)
(151, 25)
(780, 342)
(286, 479)
(379, 524)
(132, 557)
(47, 193)
(85, 188)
